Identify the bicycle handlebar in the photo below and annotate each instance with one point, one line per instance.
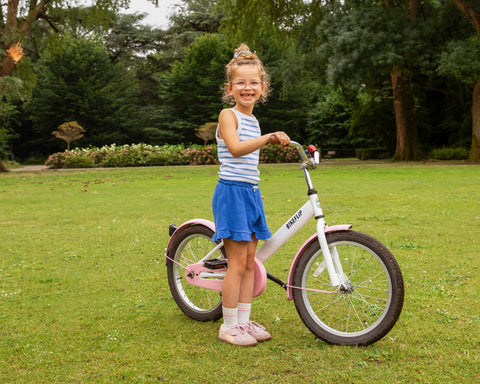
(308, 162)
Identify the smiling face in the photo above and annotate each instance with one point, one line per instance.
(246, 87)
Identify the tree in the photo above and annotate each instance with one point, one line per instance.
(192, 19)
(249, 20)
(408, 143)
(17, 17)
(14, 94)
(351, 43)
(329, 117)
(77, 81)
(13, 29)
(11, 91)
(278, 31)
(69, 131)
(206, 132)
(192, 89)
(368, 41)
(461, 60)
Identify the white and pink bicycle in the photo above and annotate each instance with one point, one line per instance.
(347, 286)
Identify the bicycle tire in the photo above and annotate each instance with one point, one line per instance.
(188, 247)
(367, 311)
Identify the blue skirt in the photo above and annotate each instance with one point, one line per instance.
(238, 212)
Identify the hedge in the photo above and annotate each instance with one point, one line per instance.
(136, 155)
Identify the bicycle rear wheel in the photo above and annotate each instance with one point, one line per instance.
(359, 314)
(189, 247)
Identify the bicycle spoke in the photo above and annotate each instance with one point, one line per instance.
(197, 302)
(353, 314)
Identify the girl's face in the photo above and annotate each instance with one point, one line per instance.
(246, 87)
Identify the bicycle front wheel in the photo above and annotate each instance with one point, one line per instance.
(359, 314)
(189, 247)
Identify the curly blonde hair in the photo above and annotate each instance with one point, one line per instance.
(243, 56)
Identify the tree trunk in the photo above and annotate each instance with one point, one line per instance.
(408, 143)
(7, 65)
(14, 33)
(475, 148)
(415, 8)
(472, 13)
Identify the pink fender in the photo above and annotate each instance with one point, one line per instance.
(189, 223)
(314, 237)
(260, 280)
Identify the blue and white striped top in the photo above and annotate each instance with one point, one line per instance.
(244, 168)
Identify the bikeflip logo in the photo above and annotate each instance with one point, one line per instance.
(294, 219)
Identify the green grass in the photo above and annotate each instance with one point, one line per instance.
(84, 295)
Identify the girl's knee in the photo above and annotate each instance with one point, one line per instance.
(237, 267)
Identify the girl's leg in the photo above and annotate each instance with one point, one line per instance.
(230, 331)
(246, 295)
(247, 284)
(238, 281)
(237, 255)
(246, 287)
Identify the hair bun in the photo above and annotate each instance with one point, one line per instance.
(243, 51)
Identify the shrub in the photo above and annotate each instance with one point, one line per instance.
(449, 154)
(278, 154)
(118, 156)
(197, 155)
(145, 155)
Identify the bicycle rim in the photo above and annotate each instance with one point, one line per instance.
(365, 312)
(196, 302)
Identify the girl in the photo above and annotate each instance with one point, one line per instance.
(237, 203)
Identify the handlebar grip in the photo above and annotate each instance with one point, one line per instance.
(274, 139)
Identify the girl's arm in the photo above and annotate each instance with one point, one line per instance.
(227, 123)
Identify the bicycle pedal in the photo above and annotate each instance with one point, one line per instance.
(215, 264)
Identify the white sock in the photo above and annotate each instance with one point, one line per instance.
(230, 317)
(244, 312)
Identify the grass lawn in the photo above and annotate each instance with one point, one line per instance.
(84, 295)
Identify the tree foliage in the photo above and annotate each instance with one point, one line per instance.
(69, 131)
(77, 81)
(17, 18)
(461, 60)
(206, 132)
(345, 74)
(192, 89)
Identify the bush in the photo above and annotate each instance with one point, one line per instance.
(449, 154)
(136, 155)
(197, 155)
(278, 154)
(118, 156)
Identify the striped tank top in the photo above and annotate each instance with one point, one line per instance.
(244, 168)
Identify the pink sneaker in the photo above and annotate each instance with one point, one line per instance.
(257, 331)
(237, 335)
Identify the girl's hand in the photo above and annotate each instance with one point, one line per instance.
(279, 138)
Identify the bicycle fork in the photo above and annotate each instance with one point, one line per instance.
(311, 209)
(330, 256)
(332, 260)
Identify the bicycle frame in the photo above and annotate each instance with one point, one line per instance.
(201, 276)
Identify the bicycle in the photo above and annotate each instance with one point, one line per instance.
(346, 285)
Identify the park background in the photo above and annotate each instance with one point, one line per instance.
(399, 78)
(83, 287)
